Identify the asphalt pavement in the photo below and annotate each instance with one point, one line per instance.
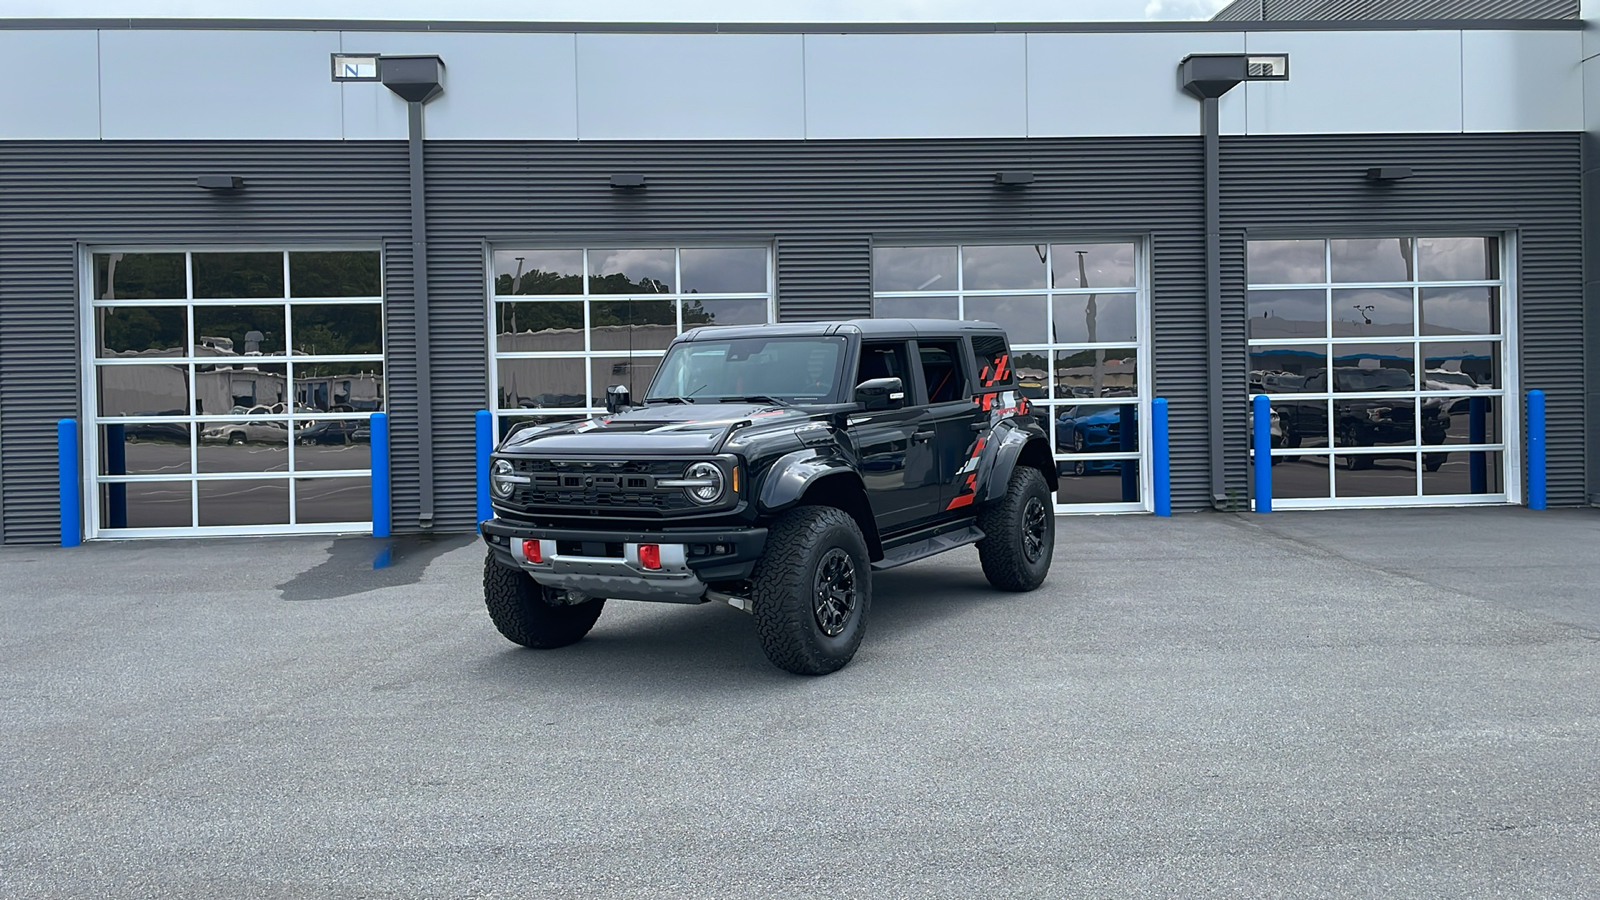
(1388, 703)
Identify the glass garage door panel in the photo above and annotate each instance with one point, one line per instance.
(1384, 361)
(1076, 316)
(231, 390)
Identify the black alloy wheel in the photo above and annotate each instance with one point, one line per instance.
(1034, 525)
(835, 592)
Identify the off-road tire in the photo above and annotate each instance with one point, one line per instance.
(1010, 561)
(800, 549)
(518, 608)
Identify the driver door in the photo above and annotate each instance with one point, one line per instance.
(895, 447)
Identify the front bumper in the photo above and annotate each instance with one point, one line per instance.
(586, 561)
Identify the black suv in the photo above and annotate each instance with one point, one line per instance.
(772, 468)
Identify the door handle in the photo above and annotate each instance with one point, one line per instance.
(922, 437)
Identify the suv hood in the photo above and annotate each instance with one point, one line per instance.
(666, 428)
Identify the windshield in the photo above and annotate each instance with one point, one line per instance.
(792, 370)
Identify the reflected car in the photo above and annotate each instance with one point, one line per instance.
(331, 431)
(1366, 421)
(1441, 380)
(246, 433)
(1093, 429)
(169, 432)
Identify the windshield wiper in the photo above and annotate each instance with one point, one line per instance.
(650, 400)
(754, 398)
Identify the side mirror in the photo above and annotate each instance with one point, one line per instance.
(881, 393)
(616, 398)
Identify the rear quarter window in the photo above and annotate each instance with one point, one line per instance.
(994, 361)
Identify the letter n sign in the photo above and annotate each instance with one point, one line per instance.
(355, 67)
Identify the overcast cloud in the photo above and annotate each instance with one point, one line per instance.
(630, 10)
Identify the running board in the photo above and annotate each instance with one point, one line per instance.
(926, 547)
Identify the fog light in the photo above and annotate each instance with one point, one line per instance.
(530, 550)
(650, 556)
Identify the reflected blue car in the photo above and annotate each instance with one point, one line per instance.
(1093, 429)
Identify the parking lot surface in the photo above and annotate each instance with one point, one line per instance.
(1360, 703)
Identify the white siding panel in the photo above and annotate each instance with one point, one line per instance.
(219, 85)
(1357, 82)
(916, 85)
(1082, 85)
(1522, 80)
(496, 87)
(690, 87)
(54, 92)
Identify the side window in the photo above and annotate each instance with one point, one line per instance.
(942, 370)
(883, 360)
(994, 362)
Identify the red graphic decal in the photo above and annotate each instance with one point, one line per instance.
(1000, 367)
(966, 496)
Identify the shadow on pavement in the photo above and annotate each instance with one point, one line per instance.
(359, 564)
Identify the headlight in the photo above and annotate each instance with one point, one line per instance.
(504, 479)
(703, 482)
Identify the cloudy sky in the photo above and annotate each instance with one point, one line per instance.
(632, 10)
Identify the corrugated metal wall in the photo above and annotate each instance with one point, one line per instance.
(54, 195)
(1525, 182)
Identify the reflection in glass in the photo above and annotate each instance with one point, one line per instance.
(1372, 311)
(635, 373)
(541, 383)
(1105, 372)
(146, 504)
(1091, 318)
(139, 276)
(338, 387)
(219, 276)
(1463, 310)
(538, 272)
(1288, 368)
(631, 271)
(1458, 259)
(1017, 267)
(1373, 367)
(335, 273)
(510, 422)
(1299, 477)
(1097, 428)
(916, 308)
(1472, 420)
(1091, 266)
(144, 448)
(698, 312)
(546, 325)
(238, 330)
(1302, 423)
(1033, 373)
(245, 445)
(142, 330)
(261, 502)
(337, 329)
(738, 270)
(145, 390)
(1286, 262)
(632, 324)
(914, 269)
(328, 501)
(1382, 259)
(1463, 472)
(1023, 317)
(241, 389)
(1098, 481)
(1458, 365)
(326, 444)
(1288, 314)
(1385, 421)
(1379, 475)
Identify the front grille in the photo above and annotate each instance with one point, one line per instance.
(622, 488)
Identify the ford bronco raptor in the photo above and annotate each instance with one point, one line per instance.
(773, 468)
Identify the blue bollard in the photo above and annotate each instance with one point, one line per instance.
(1536, 469)
(382, 498)
(71, 485)
(1262, 412)
(1161, 456)
(485, 447)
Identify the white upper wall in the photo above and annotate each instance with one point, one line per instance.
(245, 84)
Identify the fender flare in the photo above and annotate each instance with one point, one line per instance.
(1012, 440)
(793, 473)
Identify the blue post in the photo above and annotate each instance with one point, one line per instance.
(71, 484)
(1160, 456)
(1262, 412)
(378, 424)
(1536, 473)
(485, 447)
(1477, 433)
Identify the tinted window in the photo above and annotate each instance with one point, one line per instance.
(942, 371)
(994, 363)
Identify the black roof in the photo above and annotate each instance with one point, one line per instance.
(864, 327)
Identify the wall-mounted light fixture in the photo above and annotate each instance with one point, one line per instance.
(220, 182)
(1386, 174)
(1013, 178)
(628, 182)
